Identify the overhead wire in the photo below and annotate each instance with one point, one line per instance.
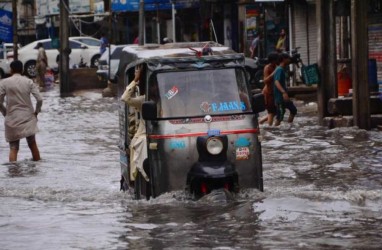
(73, 20)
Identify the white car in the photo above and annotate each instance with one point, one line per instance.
(89, 41)
(80, 52)
(103, 63)
(5, 70)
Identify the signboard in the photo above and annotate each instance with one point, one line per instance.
(251, 14)
(152, 5)
(6, 30)
(52, 7)
(99, 8)
(375, 46)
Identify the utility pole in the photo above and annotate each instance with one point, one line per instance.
(111, 38)
(141, 21)
(360, 50)
(326, 40)
(173, 12)
(64, 48)
(14, 25)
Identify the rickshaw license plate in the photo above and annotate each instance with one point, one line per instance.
(242, 153)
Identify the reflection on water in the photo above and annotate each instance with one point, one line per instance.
(21, 169)
(322, 190)
(192, 225)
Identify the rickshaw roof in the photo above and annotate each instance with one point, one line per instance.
(178, 50)
(183, 55)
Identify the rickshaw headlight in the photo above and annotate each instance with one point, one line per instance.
(214, 145)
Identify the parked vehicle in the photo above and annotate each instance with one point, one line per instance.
(201, 120)
(103, 63)
(28, 55)
(5, 69)
(89, 41)
(255, 69)
(293, 72)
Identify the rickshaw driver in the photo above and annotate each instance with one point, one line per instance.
(138, 145)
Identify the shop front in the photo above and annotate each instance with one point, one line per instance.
(163, 18)
(266, 19)
(375, 45)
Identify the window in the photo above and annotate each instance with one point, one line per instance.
(47, 45)
(74, 45)
(89, 41)
(116, 53)
(201, 92)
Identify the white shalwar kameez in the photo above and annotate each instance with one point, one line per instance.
(138, 145)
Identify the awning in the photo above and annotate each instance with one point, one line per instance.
(152, 5)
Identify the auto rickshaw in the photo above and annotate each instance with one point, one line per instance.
(201, 120)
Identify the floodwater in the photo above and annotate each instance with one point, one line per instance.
(323, 190)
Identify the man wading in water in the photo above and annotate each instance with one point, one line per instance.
(20, 116)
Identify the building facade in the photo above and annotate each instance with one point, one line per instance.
(230, 22)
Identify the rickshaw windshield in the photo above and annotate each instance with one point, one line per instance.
(201, 92)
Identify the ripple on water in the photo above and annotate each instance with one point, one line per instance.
(322, 190)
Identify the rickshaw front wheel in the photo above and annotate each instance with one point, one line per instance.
(198, 187)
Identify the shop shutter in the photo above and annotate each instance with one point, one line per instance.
(305, 31)
(312, 27)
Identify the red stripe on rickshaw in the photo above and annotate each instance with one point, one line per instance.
(225, 132)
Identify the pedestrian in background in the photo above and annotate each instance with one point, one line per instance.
(104, 44)
(282, 100)
(255, 47)
(3, 52)
(269, 71)
(20, 116)
(281, 45)
(41, 65)
(136, 40)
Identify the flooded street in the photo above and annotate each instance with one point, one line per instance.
(323, 190)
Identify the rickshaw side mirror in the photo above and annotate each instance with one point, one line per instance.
(149, 110)
(258, 103)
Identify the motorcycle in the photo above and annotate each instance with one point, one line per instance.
(293, 72)
(255, 71)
